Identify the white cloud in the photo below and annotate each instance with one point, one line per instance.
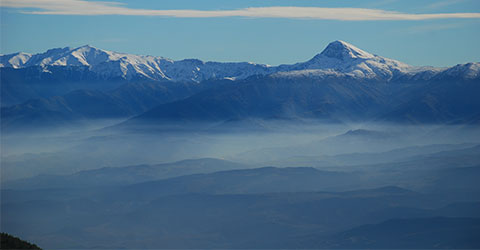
(82, 7)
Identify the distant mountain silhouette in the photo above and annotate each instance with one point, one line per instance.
(11, 242)
(112, 176)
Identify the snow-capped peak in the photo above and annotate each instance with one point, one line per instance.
(109, 64)
(467, 71)
(15, 61)
(342, 50)
(81, 56)
(339, 58)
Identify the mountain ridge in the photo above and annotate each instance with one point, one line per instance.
(338, 56)
(342, 84)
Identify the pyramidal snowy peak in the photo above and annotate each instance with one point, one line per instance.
(338, 58)
(344, 51)
(342, 58)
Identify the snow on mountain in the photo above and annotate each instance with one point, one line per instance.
(113, 64)
(467, 71)
(16, 60)
(344, 58)
(338, 58)
(344, 51)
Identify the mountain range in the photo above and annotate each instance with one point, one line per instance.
(339, 56)
(341, 84)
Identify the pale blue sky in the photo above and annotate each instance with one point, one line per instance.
(430, 41)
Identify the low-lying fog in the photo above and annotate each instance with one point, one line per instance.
(257, 143)
(250, 184)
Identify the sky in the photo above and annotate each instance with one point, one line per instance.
(436, 33)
